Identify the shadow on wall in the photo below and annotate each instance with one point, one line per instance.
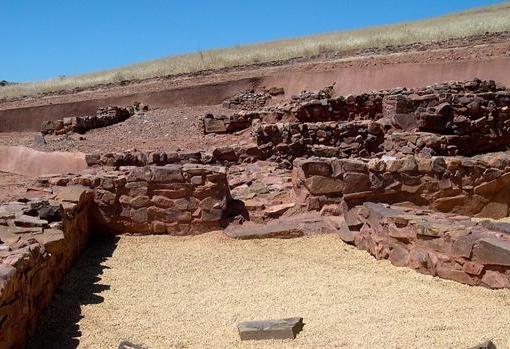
(58, 325)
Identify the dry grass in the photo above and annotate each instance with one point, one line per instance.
(167, 292)
(473, 22)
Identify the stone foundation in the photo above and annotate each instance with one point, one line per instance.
(172, 199)
(332, 139)
(448, 184)
(242, 153)
(80, 124)
(449, 246)
(40, 240)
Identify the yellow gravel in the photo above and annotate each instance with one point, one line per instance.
(168, 292)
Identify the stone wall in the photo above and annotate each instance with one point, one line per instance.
(453, 118)
(332, 139)
(449, 246)
(41, 238)
(448, 184)
(39, 241)
(80, 124)
(172, 199)
(220, 155)
(230, 123)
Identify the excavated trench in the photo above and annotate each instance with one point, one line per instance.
(393, 173)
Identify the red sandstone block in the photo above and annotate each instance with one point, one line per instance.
(399, 256)
(162, 201)
(494, 279)
(447, 272)
(472, 268)
(140, 201)
(492, 251)
(137, 188)
(173, 194)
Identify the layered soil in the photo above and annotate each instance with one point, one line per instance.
(353, 72)
(167, 292)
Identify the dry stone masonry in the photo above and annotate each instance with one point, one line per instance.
(39, 242)
(171, 199)
(466, 186)
(80, 124)
(450, 246)
(404, 174)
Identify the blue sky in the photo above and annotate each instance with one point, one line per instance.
(47, 38)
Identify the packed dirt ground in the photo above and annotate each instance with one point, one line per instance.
(166, 292)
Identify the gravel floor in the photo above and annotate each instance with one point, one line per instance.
(166, 292)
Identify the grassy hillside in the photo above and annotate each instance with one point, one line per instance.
(472, 22)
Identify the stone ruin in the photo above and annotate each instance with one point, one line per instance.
(81, 124)
(420, 177)
(251, 99)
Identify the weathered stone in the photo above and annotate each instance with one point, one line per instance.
(493, 279)
(162, 201)
(472, 268)
(277, 210)
(52, 240)
(29, 221)
(448, 273)
(319, 185)
(212, 125)
(74, 194)
(137, 188)
(399, 256)
(270, 329)
(140, 201)
(167, 174)
(492, 251)
(355, 182)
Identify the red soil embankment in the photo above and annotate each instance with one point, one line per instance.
(33, 163)
(356, 78)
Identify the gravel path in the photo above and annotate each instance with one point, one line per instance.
(167, 292)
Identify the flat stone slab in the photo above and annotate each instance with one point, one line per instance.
(270, 329)
(283, 228)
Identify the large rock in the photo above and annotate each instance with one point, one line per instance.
(319, 185)
(492, 251)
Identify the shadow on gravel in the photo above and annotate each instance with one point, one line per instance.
(58, 325)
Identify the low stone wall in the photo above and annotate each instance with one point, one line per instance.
(333, 139)
(230, 123)
(80, 124)
(41, 238)
(172, 199)
(220, 155)
(449, 184)
(39, 242)
(449, 246)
